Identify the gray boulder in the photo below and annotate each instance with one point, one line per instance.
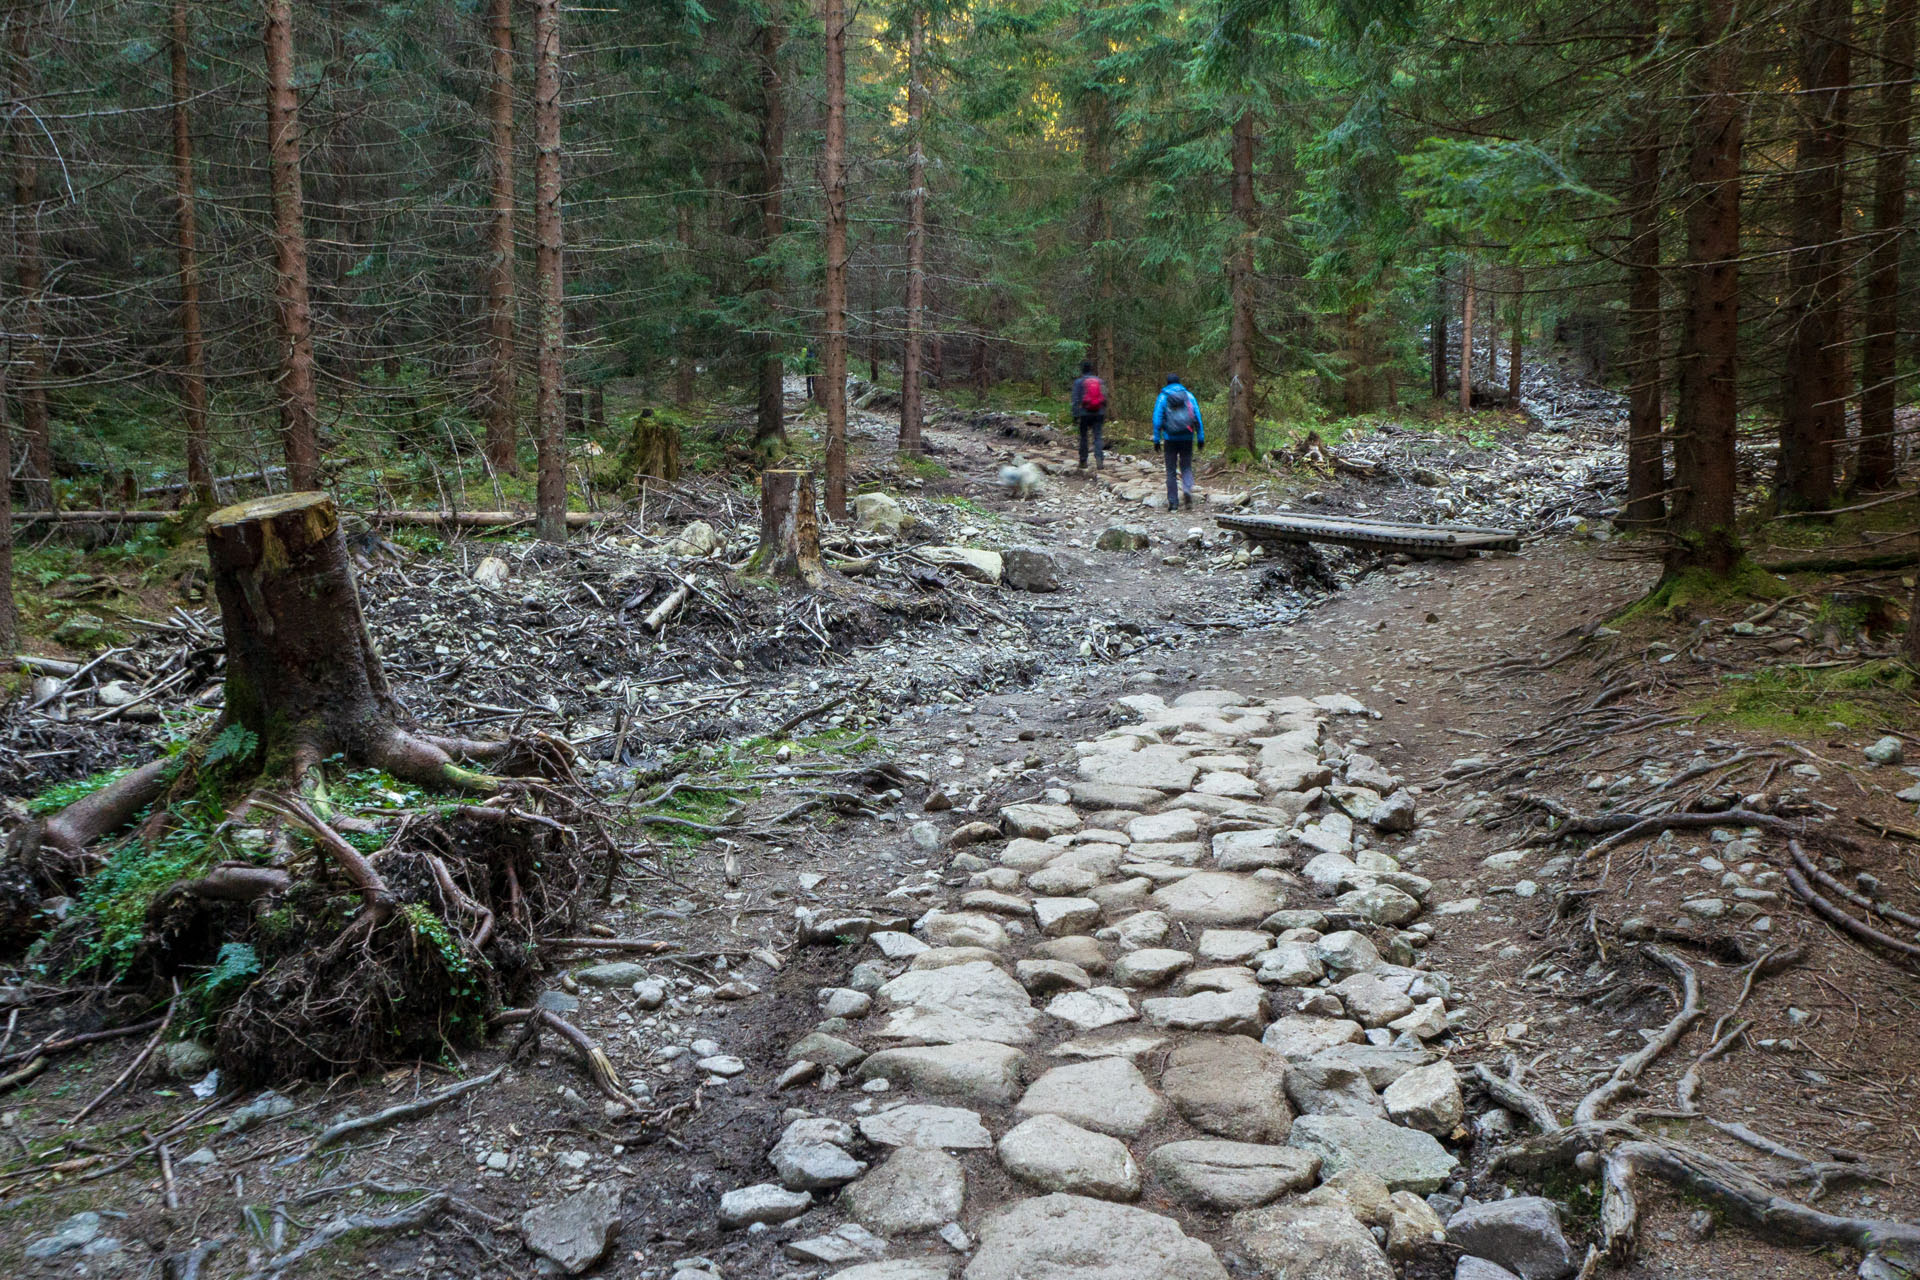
(1213, 1174)
(1057, 1155)
(1060, 1236)
(1123, 537)
(1031, 569)
(574, 1233)
(1232, 1086)
(1404, 1159)
(1522, 1234)
(1332, 1089)
(1311, 1242)
(1470, 1268)
(917, 1189)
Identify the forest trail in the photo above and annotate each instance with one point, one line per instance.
(774, 1042)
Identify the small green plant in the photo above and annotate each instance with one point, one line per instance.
(235, 966)
(116, 897)
(464, 984)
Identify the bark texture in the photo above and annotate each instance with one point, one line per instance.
(1240, 327)
(299, 405)
(1514, 350)
(1701, 518)
(1878, 384)
(30, 372)
(770, 422)
(1646, 504)
(833, 180)
(551, 485)
(1437, 337)
(1099, 161)
(1813, 417)
(1466, 338)
(302, 673)
(9, 627)
(910, 407)
(193, 347)
(789, 526)
(503, 436)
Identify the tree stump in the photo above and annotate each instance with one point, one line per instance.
(302, 674)
(652, 451)
(789, 526)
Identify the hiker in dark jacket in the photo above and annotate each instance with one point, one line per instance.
(1089, 405)
(1178, 431)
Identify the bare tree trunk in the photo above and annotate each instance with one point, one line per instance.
(193, 356)
(1813, 418)
(834, 182)
(1701, 515)
(1099, 153)
(9, 628)
(789, 526)
(770, 421)
(1466, 338)
(29, 271)
(1878, 386)
(1646, 456)
(683, 360)
(1442, 315)
(299, 403)
(551, 485)
(1240, 328)
(1519, 336)
(503, 434)
(910, 411)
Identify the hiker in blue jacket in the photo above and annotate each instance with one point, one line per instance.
(1178, 431)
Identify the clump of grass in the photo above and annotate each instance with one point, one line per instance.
(1678, 594)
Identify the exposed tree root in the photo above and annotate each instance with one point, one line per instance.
(404, 1111)
(1620, 1153)
(598, 1066)
(416, 1215)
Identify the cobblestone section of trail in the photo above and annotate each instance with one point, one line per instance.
(1169, 1020)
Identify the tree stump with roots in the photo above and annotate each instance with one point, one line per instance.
(302, 674)
(789, 526)
(361, 957)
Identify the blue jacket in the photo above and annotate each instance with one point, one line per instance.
(1160, 414)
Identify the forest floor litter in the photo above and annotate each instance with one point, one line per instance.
(967, 930)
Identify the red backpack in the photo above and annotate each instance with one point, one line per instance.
(1093, 396)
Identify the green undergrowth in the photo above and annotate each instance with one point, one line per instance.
(1815, 533)
(62, 794)
(1798, 700)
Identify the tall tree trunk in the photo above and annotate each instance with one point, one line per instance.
(684, 361)
(1519, 335)
(1813, 420)
(1099, 164)
(29, 271)
(1878, 390)
(1240, 327)
(551, 484)
(1646, 457)
(193, 355)
(1701, 516)
(916, 230)
(503, 434)
(299, 403)
(770, 416)
(833, 180)
(1442, 317)
(9, 628)
(1466, 338)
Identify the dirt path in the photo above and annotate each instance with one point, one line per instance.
(781, 968)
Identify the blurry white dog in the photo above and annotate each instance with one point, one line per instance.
(1021, 478)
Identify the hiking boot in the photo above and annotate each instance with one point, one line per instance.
(1189, 502)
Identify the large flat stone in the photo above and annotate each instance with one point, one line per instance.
(977, 1070)
(1311, 1242)
(918, 1124)
(1404, 1159)
(961, 929)
(1218, 898)
(917, 1189)
(1161, 768)
(962, 1002)
(1092, 1009)
(1039, 821)
(1241, 1011)
(1057, 1155)
(1300, 1036)
(1231, 1086)
(1521, 1234)
(1383, 1063)
(1232, 946)
(574, 1232)
(1251, 850)
(1064, 1237)
(1427, 1098)
(1214, 1174)
(1170, 826)
(1058, 917)
(1107, 1095)
(1106, 795)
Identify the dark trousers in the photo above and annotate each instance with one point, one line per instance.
(1094, 429)
(1179, 470)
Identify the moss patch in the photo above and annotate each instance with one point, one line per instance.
(1790, 699)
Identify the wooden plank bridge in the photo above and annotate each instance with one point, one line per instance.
(1442, 541)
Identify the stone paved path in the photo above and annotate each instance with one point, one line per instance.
(1170, 1015)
